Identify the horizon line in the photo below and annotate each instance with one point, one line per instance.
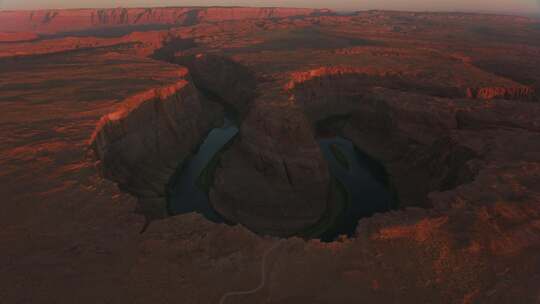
(480, 12)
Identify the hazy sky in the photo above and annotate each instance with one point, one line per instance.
(509, 6)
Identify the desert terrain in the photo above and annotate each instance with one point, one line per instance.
(101, 108)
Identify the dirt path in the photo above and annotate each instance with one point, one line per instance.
(263, 278)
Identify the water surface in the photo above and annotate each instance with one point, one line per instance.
(364, 180)
(186, 195)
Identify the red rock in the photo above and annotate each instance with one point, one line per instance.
(17, 37)
(275, 180)
(71, 235)
(54, 21)
(142, 159)
(233, 83)
(420, 232)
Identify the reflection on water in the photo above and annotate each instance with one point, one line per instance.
(185, 195)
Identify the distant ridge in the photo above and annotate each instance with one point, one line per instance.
(58, 20)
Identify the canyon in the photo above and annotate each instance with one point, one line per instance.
(98, 121)
(57, 21)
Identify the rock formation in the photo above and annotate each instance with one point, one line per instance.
(275, 180)
(442, 100)
(142, 144)
(230, 82)
(272, 189)
(56, 21)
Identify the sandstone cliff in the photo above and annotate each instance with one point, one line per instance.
(475, 162)
(232, 83)
(351, 78)
(411, 133)
(142, 144)
(275, 179)
(55, 21)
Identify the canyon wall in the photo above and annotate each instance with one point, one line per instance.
(336, 80)
(56, 21)
(412, 134)
(273, 179)
(141, 145)
(232, 83)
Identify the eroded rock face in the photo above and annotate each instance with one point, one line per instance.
(477, 161)
(229, 81)
(52, 21)
(349, 79)
(141, 145)
(413, 134)
(274, 180)
(429, 144)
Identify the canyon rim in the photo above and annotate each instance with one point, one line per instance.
(103, 110)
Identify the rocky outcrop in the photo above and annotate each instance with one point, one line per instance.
(477, 162)
(242, 13)
(274, 180)
(332, 72)
(337, 82)
(229, 81)
(328, 91)
(141, 145)
(350, 78)
(57, 21)
(413, 135)
(411, 139)
(137, 16)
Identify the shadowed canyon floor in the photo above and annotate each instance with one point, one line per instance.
(94, 126)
